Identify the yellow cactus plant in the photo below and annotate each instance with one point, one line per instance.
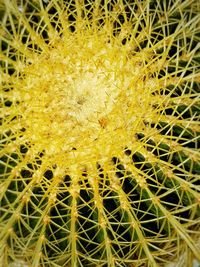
(100, 132)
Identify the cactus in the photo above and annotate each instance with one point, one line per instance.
(99, 160)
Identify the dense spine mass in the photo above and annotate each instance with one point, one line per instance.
(100, 132)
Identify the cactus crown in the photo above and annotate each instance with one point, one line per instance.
(99, 132)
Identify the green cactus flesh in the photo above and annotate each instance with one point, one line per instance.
(100, 132)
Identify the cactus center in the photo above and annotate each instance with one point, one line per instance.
(80, 97)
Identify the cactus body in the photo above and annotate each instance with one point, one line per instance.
(100, 133)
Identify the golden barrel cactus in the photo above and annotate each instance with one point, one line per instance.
(100, 132)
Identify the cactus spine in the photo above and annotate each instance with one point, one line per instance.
(99, 160)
